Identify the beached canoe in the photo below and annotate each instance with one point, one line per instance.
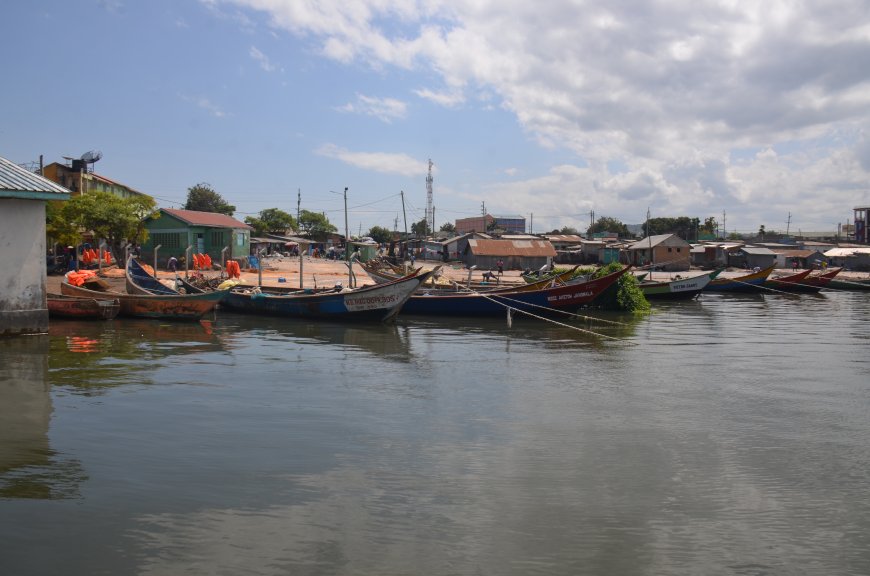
(60, 306)
(751, 282)
(376, 302)
(167, 307)
(546, 300)
(141, 281)
(678, 288)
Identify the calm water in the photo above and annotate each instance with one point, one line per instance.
(729, 435)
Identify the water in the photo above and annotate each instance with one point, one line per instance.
(723, 436)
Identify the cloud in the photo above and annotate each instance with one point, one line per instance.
(204, 104)
(383, 162)
(669, 88)
(262, 59)
(384, 109)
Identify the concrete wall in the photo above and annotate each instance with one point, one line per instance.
(22, 267)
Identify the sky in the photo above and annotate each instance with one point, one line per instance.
(753, 113)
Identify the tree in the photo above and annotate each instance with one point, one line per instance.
(272, 221)
(710, 225)
(568, 231)
(420, 228)
(118, 220)
(315, 224)
(202, 197)
(380, 234)
(608, 224)
(448, 227)
(683, 226)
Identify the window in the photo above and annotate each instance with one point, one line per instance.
(670, 249)
(217, 238)
(240, 239)
(167, 240)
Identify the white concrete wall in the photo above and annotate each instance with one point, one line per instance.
(22, 267)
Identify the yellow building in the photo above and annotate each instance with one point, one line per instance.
(76, 177)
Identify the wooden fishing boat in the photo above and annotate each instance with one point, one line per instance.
(849, 284)
(382, 274)
(60, 306)
(536, 301)
(822, 280)
(678, 288)
(563, 276)
(376, 302)
(141, 281)
(168, 307)
(752, 282)
(791, 283)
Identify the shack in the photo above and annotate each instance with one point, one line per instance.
(515, 254)
(664, 251)
(23, 195)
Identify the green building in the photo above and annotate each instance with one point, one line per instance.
(205, 232)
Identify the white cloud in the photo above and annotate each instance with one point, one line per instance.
(384, 109)
(204, 104)
(384, 162)
(671, 88)
(261, 59)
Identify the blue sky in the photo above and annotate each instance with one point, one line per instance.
(549, 110)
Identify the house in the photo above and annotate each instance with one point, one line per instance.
(79, 180)
(23, 195)
(862, 219)
(475, 224)
(510, 224)
(664, 251)
(209, 233)
(850, 257)
(803, 258)
(753, 257)
(516, 254)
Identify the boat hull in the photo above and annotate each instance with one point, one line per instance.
(753, 282)
(540, 301)
(60, 306)
(378, 302)
(679, 289)
(172, 307)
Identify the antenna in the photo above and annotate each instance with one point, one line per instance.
(91, 157)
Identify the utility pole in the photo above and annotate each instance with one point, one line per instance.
(483, 216)
(724, 233)
(430, 209)
(788, 224)
(532, 224)
(298, 204)
(405, 217)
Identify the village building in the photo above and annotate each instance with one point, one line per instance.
(80, 180)
(752, 257)
(663, 251)
(850, 257)
(791, 258)
(23, 194)
(514, 254)
(176, 231)
(484, 223)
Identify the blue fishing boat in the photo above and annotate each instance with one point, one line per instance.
(377, 302)
(141, 281)
(752, 282)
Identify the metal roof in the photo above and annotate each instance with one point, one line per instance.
(843, 252)
(757, 251)
(651, 241)
(16, 182)
(209, 219)
(528, 248)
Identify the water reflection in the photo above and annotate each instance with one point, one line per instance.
(29, 468)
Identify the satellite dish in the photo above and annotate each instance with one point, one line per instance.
(91, 156)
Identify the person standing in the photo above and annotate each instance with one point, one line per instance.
(500, 266)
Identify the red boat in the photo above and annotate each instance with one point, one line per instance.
(61, 306)
(823, 279)
(791, 282)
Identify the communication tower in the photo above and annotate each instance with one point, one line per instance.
(430, 209)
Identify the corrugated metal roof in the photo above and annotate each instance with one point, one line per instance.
(210, 219)
(650, 241)
(528, 248)
(563, 238)
(795, 253)
(15, 179)
(756, 251)
(843, 252)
